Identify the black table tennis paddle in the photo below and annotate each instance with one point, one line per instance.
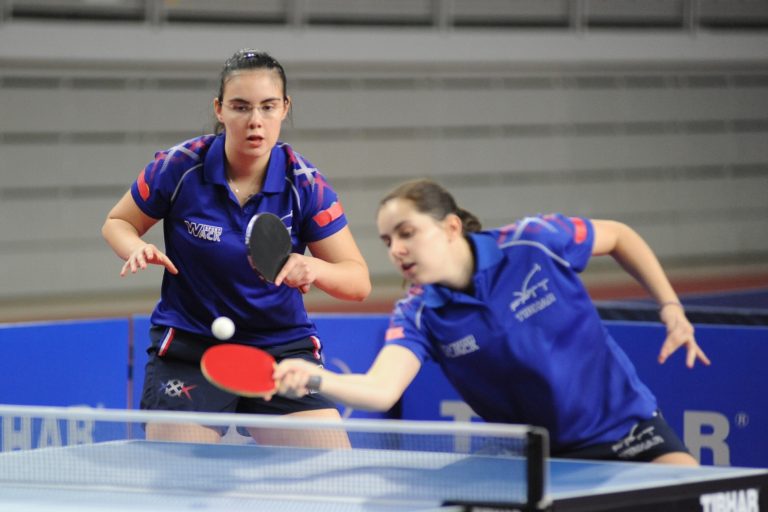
(269, 245)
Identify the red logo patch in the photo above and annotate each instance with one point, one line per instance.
(394, 333)
(325, 217)
(580, 230)
(143, 187)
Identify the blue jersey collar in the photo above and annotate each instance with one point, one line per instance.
(214, 169)
(486, 252)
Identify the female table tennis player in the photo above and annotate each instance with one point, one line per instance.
(506, 316)
(206, 190)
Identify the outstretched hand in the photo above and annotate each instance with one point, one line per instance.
(147, 254)
(292, 376)
(680, 333)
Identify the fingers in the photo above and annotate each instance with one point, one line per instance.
(291, 377)
(281, 369)
(145, 255)
(294, 384)
(168, 264)
(297, 273)
(669, 347)
(287, 269)
(680, 333)
(664, 354)
(693, 351)
(137, 260)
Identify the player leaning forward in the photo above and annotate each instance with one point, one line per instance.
(206, 190)
(506, 316)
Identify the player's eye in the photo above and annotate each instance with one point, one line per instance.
(406, 233)
(241, 107)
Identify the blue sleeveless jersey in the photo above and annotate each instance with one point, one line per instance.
(204, 233)
(528, 347)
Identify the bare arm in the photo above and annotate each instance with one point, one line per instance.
(377, 390)
(336, 266)
(634, 255)
(123, 229)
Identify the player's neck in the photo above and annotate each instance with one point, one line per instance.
(242, 166)
(461, 269)
(245, 178)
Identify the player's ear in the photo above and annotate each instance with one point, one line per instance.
(217, 109)
(288, 105)
(453, 225)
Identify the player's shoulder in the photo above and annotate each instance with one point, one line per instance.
(411, 303)
(170, 166)
(186, 154)
(295, 161)
(300, 171)
(406, 314)
(534, 227)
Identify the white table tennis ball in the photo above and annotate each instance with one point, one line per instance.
(223, 328)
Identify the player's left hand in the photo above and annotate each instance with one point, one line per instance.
(298, 272)
(680, 333)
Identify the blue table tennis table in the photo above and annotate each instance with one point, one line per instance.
(167, 477)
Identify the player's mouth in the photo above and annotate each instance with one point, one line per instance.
(407, 269)
(255, 140)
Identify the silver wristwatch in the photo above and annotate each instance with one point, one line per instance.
(313, 384)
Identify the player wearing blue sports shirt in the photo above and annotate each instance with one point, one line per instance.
(505, 314)
(206, 190)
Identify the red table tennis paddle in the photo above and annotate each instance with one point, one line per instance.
(269, 245)
(239, 369)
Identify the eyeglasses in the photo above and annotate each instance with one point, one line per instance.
(269, 110)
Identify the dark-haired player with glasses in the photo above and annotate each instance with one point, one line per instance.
(206, 190)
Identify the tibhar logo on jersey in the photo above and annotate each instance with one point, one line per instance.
(742, 500)
(204, 231)
(637, 442)
(531, 291)
(462, 347)
(175, 388)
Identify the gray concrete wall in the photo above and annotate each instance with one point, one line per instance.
(665, 131)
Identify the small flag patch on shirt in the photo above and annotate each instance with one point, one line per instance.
(394, 333)
(143, 187)
(580, 230)
(325, 217)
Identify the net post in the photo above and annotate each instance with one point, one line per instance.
(536, 468)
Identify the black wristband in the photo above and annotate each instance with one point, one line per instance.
(313, 384)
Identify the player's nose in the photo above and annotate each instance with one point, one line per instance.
(256, 118)
(255, 121)
(396, 248)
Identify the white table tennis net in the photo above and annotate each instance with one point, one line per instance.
(390, 460)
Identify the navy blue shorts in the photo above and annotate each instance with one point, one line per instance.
(173, 379)
(647, 440)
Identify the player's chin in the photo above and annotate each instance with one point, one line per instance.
(414, 278)
(408, 274)
(254, 151)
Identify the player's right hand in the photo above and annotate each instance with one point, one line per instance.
(147, 254)
(292, 375)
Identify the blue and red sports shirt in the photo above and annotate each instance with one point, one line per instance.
(528, 346)
(204, 232)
